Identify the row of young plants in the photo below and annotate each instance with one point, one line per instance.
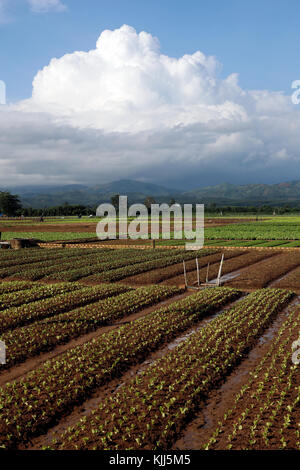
(45, 335)
(37, 265)
(265, 413)
(255, 231)
(150, 411)
(131, 270)
(269, 271)
(97, 266)
(43, 258)
(71, 269)
(15, 286)
(26, 257)
(27, 254)
(37, 270)
(37, 292)
(18, 316)
(30, 406)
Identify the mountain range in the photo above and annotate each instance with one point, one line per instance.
(222, 194)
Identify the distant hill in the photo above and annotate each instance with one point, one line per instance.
(222, 194)
(49, 196)
(250, 194)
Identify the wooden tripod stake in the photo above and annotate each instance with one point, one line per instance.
(220, 271)
(184, 272)
(207, 273)
(198, 273)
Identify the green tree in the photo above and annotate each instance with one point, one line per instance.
(9, 203)
(148, 201)
(115, 201)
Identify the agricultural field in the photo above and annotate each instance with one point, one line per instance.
(108, 349)
(219, 231)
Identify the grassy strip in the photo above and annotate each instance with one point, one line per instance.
(48, 236)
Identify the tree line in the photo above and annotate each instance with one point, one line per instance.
(10, 205)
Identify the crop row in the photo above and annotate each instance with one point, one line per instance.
(149, 412)
(266, 414)
(72, 269)
(131, 270)
(40, 255)
(45, 335)
(45, 258)
(38, 292)
(50, 236)
(33, 404)
(15, 286)
(54, 265)
(255, 231)
(18, 316)
(40, 265)
(267, 272)
(123, 259)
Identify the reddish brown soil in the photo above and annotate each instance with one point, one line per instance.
(230, 267)
(158, 275)
(291, 280)
(267, 272)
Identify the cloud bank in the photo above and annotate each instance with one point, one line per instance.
(125, 110)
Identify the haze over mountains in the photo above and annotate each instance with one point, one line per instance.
(223, 194)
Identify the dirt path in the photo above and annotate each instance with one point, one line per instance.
(198, 431)
(18, 372)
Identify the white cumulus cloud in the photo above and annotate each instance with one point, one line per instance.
(126, 110)
(126, 84)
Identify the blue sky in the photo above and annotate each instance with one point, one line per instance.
(259, 39)
(181, 93)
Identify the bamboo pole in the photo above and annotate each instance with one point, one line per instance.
(207, 273)
(184, 272)
(198, 273)
(220, 270)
